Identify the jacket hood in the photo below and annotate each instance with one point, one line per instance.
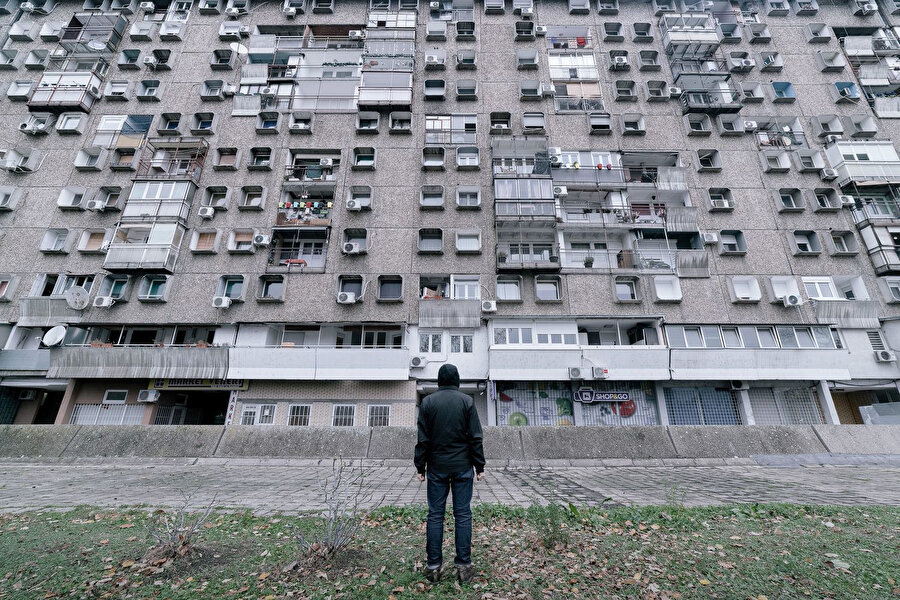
(448, 375)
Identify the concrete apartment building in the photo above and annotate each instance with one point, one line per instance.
(604, 212)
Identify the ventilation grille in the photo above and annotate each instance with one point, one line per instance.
(875, 340)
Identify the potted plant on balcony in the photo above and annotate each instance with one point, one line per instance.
(501, 257)
(588, 261)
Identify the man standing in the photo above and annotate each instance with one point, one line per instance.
(448, 447)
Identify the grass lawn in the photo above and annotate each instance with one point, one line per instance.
(758, 552)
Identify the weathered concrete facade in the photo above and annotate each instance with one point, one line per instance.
(614, 213)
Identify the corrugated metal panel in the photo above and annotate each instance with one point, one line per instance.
(246, 106)
(450, 313)
(46, 312)
(681, 218)
(139, 363)
(671, 178)
(17, 362)
(692, 263)
(856, 314)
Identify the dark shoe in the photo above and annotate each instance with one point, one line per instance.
(465, 573)
(433, 575)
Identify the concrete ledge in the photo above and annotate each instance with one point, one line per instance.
(35, 440)
(503, 443)
(298, 442)
(393, 442)
(596, 442)
(158, 441)
(725, 441)
(860, 439)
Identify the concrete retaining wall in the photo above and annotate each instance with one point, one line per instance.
(500, 443)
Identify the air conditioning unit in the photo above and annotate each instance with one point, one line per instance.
(229, 89)
(261, 240)
(548, 89)
(792, 300)
(221, 302)
(352, 248)
(434, 5)
(540, 30)
(710, 237)
(846, 92)
(356, 34)
(27, 7)
(560, 191)
(147, 7)
(847, 200)
(26, 395)
(267, 91)
(354, 205)
(750, 126)
(346, 298)
(489, 306)
(94, 91)
(527, 13)
(433, 59)
(150, 61)
(885, 356)
(417, 362)
(96, 205)
(148, 396)
(299, 126)
(830, 139)
(738, 385)
(829, 174)
(290, 12)
(232, 12)
(748, 62)
(600, 372)
(326, 162)
(576, 373)
(244, 30)
(674, 91)
(206, 212)
(620, 60)
(104, 301)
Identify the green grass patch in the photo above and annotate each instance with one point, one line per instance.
(748, 551)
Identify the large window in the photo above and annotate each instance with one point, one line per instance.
(526, 189)
(752, 336)
(450, 129)
(461, 343)
(430, 342)
(258, 414)
(122, 131)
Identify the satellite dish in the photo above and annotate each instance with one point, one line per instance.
(96, 45)
(77, 298)
(54, 336)
(239, 49)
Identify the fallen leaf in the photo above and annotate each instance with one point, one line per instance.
(126, 526)
(704, 582)
(263, 576)
(127, 563)
(104, 542)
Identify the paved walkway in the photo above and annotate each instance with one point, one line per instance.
(286, 486)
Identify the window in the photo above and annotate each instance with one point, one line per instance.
(468, 196)
(148, 90)
(343, 415)
(116, 131)
(431, 197)
(114, 286)
(298, 415)
(271, 288)
(260, 159)
(806, 242)
(468, 242)
(461, 343)
(626, 289)
(844, 243)
(633, 124)
(745, 288)
(791, 200)
(430, 342)
(698, 124)
(216, 197)
(258, 414)
(467, 157)
(267, 122)
(732, 242)
(115, 396)
(204, 241)
(533, 122)
(7, 285)
(226, 159)
(512, 335)
(626, 91)
(351, 284)
(231, 286)
(783, 285)
(169, 124)
(893, 288)
(212, 89)
(253, 197)
(431, 241)
(720, 199)
(613, 32)
(547, 288)
(379, 415)
(465, 287)
(71, 123)
(649, 60)
(202, 123)
(509, 288)
(92, 240)
(390, 288)
(54, 240)
(241, 240)
(117, 89)
(819, 288)
(526, 59)
(433, 158)
(70, 281)
(153, 288)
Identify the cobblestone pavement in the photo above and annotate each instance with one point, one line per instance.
(268, 486)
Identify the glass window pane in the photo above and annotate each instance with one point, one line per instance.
(732, 337)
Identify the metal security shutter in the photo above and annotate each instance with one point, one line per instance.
(793, 406)
(702, 406)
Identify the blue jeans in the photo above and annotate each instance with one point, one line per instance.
(439, 485)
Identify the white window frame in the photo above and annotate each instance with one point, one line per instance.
(108, 400)
(820, 285)
(369, 415)
(504, 281)
(256, 409)
(466, 283)
(460, 340)
(433, 342)
(292, 416)
(334, 415)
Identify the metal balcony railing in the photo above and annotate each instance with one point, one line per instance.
(173, 158)
(576, 104)
(125, 256)
(156, 210)
(530, 209)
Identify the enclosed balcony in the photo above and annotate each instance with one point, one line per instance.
(525, 210)
(144, 247)
(159, 201)
(689, 34)
(173, 158)
(61, 91)
(711, 68)
(302, 208)
(715, 99)
(92, 33)
(877, 206)
(865, 162)
(144, 362)
(295, 250)
(515, 157)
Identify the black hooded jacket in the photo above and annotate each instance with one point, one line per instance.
(450, 437)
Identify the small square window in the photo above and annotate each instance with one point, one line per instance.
(344, 415)
(509, 288)
(271, 288)
(115, 396)
(468, 242)
(204, 241)
(547, 288)
(379, 415)
(231, 286)
(298, 415)
(390, 288)
(253, 197)
(626, 289)
(153, 288)
(226, 159)
(431, 241)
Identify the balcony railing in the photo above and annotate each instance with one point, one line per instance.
(568, 43)
(144, 362)
(850, 314)
(885, 258)
(23, 362)
(715, 101)
(156, 210)
(539, 256)
(883, 213)
(296, 258)
(151, 257)
(857, 172)
(781, 139)
(173, 158)
(577, 104)
(525, 209)
(46, 311)
(309, 173)
(712, 66)
(620, 260)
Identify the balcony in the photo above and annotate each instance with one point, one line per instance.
(624, 363)
(632, 215)
(862, 172)
(689, 34)
(318, 363)
(173, 158)
(713, 101)
(141, 257)
(63, 91)
(590, 177)
(755, 364)
(528, 256)
(46, 311)
(662, 177)
(156, 210)
(138, 362)
(92, 33)
(885, 257)
(294, 250)
(525, 210)
(848, 314)
(297, 211)
(880, 211)
(656, 261)
(17, 363)
(577, 104)
(318, 175)
(687, 71)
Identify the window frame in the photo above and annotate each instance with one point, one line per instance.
(335, 416)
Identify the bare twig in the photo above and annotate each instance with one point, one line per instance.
(174, 534)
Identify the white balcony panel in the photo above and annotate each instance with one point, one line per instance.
(542, 363)
(760, 364)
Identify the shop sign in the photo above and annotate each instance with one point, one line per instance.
(199, 384)
(588, 396)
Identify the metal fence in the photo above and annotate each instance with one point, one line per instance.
(107, 414)
(791, 406)
(702, 406)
